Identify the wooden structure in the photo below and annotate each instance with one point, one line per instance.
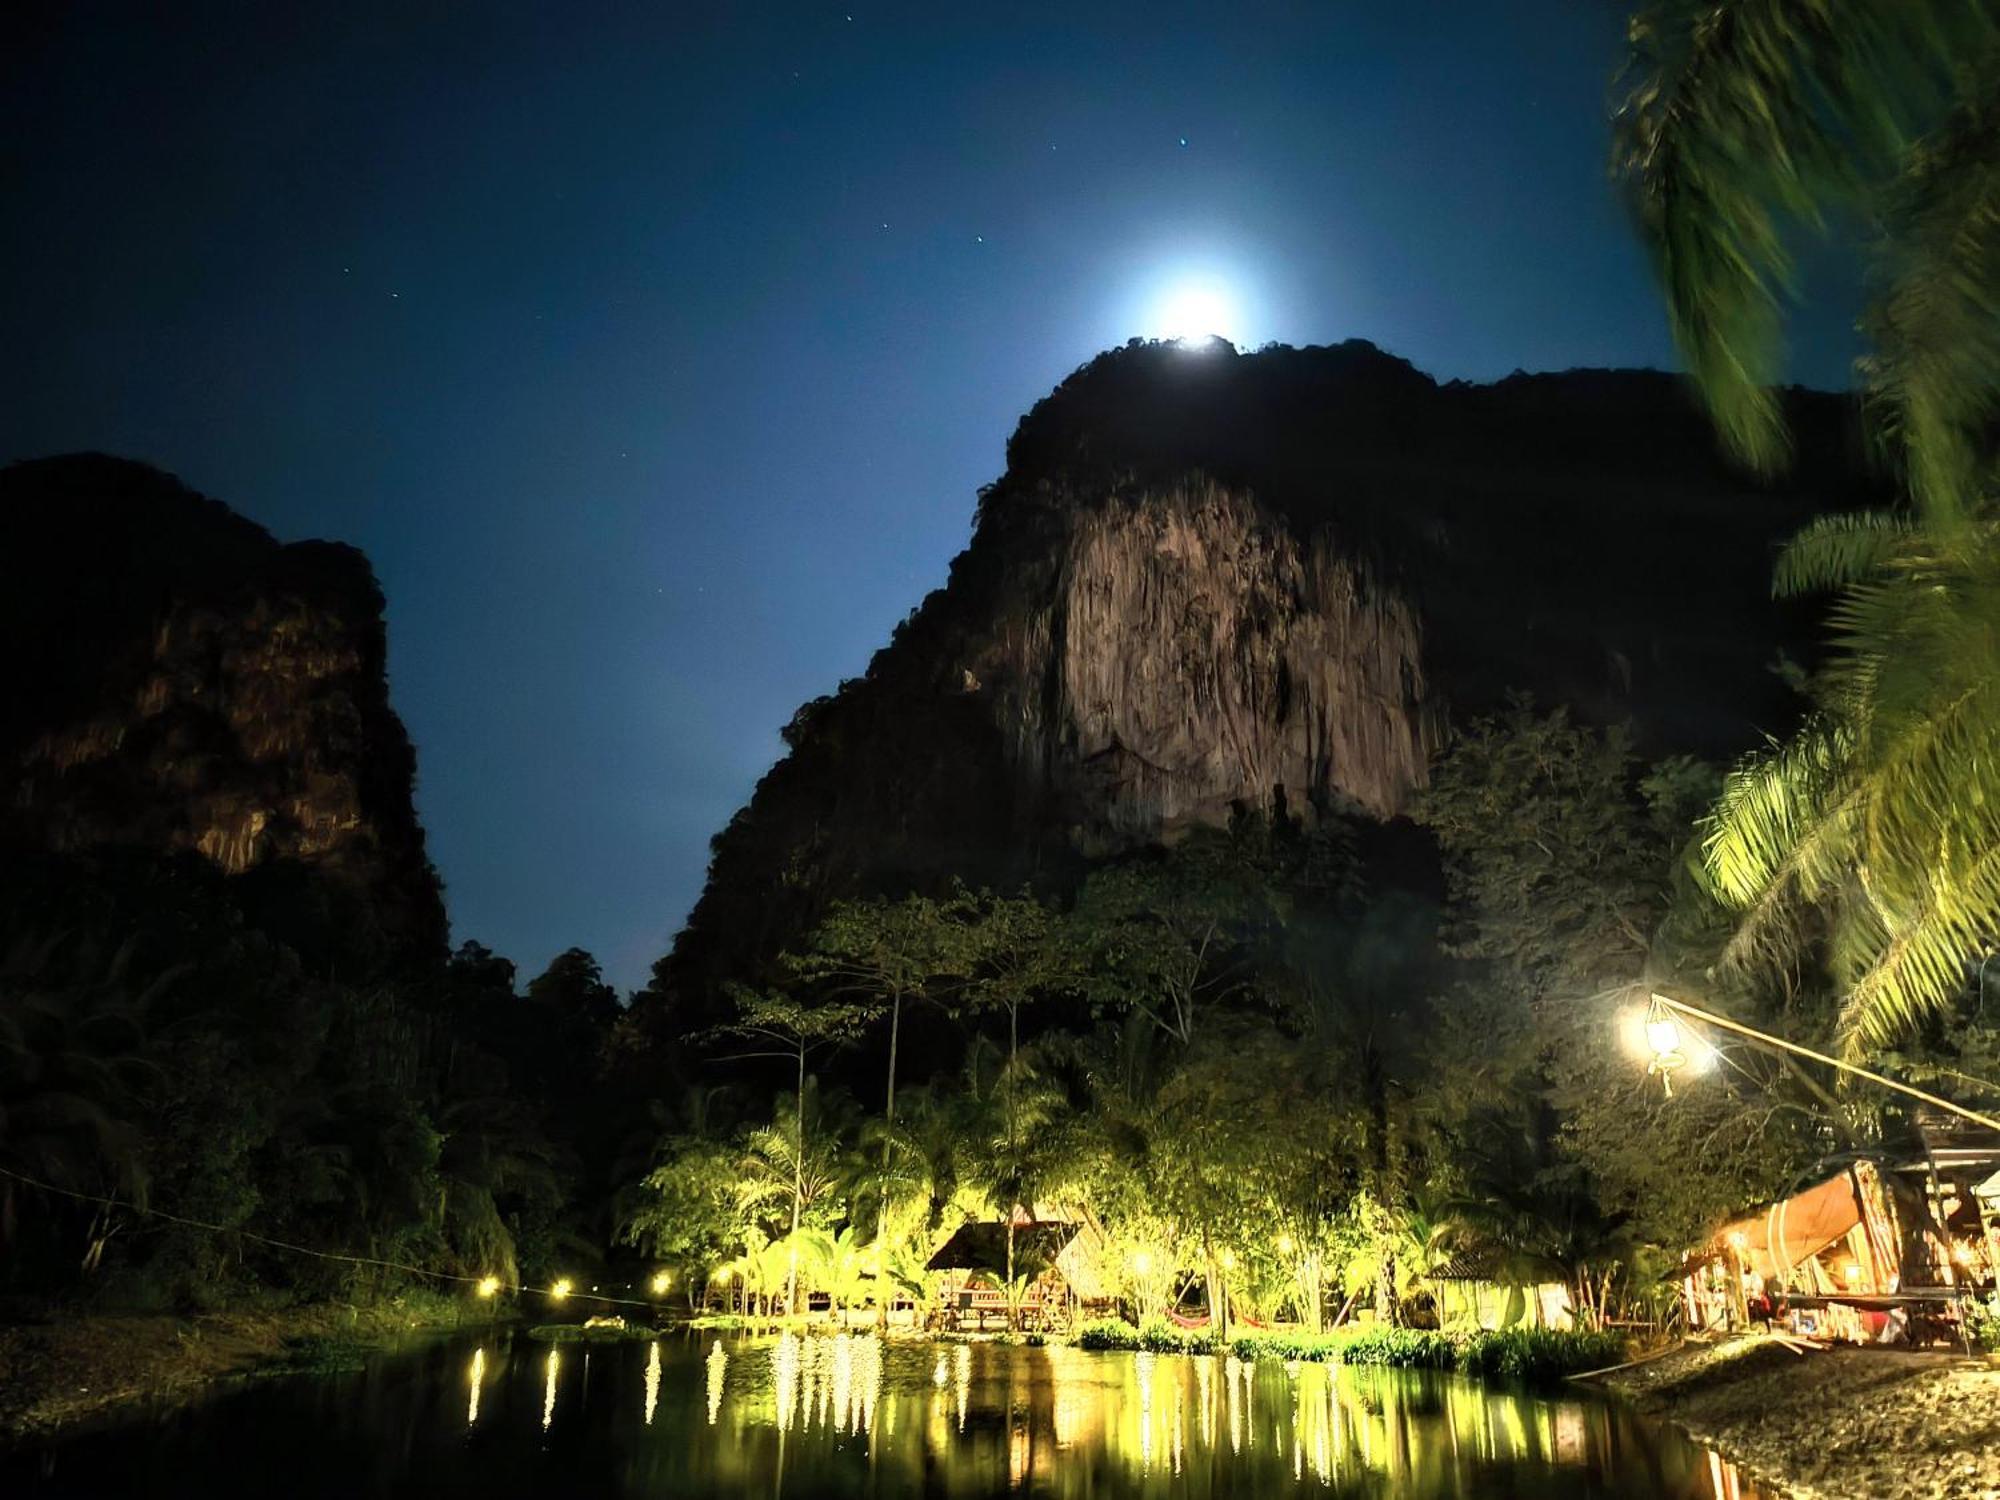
(1472, 1294)
(1879, 1248)
(1059, 1257)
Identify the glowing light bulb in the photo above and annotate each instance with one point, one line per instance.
(660, 1284)
(561, 1289)
(1663, 1034)
(1142, 1262)
(489, 1286)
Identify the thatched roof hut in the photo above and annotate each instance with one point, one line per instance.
(983, 1246)
(1074, 1250)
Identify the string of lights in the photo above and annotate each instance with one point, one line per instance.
(560, 1290)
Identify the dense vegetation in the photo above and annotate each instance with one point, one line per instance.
(1276, 1081)
(182, 1090)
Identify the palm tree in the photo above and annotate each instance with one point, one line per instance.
(793, 1165)
(837, 1264)
(794, 1030)
(1016, 1142)
(1745, 120)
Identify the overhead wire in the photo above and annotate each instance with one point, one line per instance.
(567, 1293)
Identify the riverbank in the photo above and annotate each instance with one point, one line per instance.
(1834, 1424)
(72, 1367)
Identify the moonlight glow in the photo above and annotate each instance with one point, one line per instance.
(1196, 310)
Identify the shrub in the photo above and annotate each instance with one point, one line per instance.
(1526, 1354)
(1106, 1333)
(1508, 1353)
(1983, 1325)
(1160, 1336)
(1538, 1353)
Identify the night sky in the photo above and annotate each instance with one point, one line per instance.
(654, 352)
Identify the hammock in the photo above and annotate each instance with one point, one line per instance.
(1182, 1321)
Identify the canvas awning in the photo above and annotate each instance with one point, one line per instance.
(1793, 1230)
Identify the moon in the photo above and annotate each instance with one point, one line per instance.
(1196, 309)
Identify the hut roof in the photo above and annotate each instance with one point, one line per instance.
(1468, 1265)
(983, 1246)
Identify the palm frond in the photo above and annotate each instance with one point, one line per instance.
(1921, 969)
(1936, 326)
(1743, 120)
(1834, 551)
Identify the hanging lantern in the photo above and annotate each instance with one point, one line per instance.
(1663, 1035)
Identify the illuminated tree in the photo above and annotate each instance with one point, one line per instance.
(793, 1032)
(872, 957)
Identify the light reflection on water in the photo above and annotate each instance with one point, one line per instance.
(851, 1415)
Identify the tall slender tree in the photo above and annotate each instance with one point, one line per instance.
(879, 956)
(793, 1031)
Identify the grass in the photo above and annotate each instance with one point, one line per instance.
(1526, 1354)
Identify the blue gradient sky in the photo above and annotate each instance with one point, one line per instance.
(654, 352)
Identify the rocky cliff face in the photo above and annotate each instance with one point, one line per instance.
(1187, 655)
(1211, 582)
(186, 685)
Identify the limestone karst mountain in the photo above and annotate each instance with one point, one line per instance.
(1212, 581)
(181, 684)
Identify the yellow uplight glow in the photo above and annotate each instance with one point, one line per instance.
(1286, 1245)
(561, 1289)
(489, 1286)
(1738, 1240)
(1852, 1272)
(661, 1282)
(1142, 1262)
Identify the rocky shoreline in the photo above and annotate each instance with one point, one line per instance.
(66, 1369)
(1833, 1424)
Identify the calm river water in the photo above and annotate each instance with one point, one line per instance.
(733, 1416)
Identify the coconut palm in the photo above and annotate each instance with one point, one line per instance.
(1018, 1126)
(1747, 119)
(837, 1264)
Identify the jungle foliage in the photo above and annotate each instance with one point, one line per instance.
(1867, 841)
(179, 1089)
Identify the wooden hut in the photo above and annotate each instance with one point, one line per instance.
(1471, 1293)
(1063, 1260)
